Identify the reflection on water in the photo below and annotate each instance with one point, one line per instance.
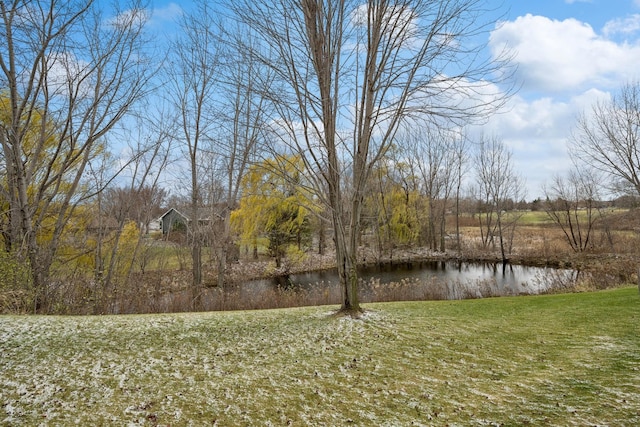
(503, 279)
(425, 280)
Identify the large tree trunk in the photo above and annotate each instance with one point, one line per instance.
(346, 246)
(25, 221)
(345, 241)
(352, 300)
(347, 266)
(325, 57)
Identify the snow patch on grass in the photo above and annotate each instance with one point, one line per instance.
(398, 364)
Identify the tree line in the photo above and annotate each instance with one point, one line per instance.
(341, 117)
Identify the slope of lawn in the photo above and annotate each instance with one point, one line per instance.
(559, 360)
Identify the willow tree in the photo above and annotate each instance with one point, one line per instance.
(273, 205)
(393, 205)
(349, 73)
(69, 75)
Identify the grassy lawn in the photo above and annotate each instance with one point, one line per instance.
(546, 360)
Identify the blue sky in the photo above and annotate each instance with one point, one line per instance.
(569, 55)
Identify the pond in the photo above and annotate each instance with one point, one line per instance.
(438, 279)
(424, 280)
(400, 281)
(406, 281)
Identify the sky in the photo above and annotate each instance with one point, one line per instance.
(569, 54)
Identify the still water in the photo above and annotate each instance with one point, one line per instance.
(459, 279)
(425, 280)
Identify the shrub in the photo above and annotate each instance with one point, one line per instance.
(17, 294)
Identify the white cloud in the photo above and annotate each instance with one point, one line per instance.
(67, 72)
(130, 17)
(543, 117)
(565, 67)
(563, 56)
(537, 132)
(628, 25)
(401, 20)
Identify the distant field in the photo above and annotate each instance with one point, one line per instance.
(534, 218)
(541, 217)
(556, 360)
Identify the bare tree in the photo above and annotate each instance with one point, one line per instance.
(241, 111)
(607, 138)
(426, 152)
(193, 90)
(137, 199)
(438, 157)
(572, 203)
(348, 73)
(497, 184)
(461, 162)
(71, 75)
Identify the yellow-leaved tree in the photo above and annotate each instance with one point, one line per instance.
(71, 74)
(393, 206)
(274, 206)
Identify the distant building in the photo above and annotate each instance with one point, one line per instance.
(155, 225)
(174, 220)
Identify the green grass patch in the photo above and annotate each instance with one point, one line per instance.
(545, 360)
(534, 218)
